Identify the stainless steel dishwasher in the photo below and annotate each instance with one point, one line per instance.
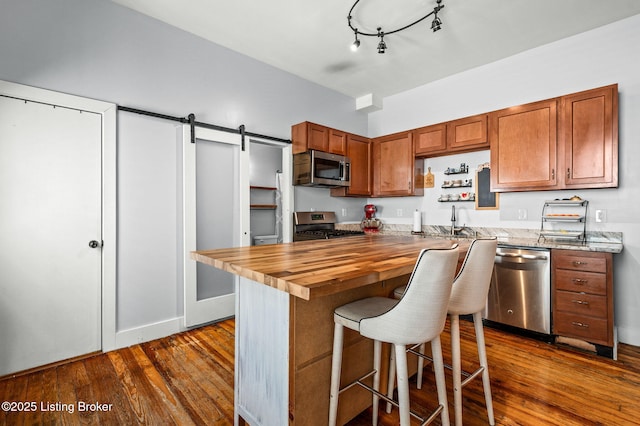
(520, 292)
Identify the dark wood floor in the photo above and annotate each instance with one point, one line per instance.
(188, 379)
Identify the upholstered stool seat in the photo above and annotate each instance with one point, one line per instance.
(417, 317)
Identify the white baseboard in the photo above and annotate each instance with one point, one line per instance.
(148, 332)
(629, 335)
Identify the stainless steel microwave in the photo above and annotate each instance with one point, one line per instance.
(317, 168)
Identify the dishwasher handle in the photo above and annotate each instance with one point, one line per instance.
(522, 256)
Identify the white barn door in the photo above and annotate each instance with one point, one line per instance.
(216, 215)
(50, 233)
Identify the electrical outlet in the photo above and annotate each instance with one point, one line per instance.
(522, 214)
(601, 216)
(344, 212)
(399, 212)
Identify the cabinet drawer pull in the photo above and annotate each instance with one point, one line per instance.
(579, 281)
(579, 263)
(580, 324)
(580, 302)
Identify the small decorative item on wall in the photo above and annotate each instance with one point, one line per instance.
(485, 199)
(429, 180)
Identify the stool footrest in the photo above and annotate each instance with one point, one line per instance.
(471, 376)
(358, 382)
(423, 420)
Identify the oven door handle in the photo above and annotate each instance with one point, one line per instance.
(523, 256)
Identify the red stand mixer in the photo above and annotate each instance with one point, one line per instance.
(370, 223)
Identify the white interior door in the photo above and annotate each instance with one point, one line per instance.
(50, 210)
(216, 215)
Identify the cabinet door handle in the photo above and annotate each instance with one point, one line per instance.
(581, 302)
(579, 281)
(580, 324)
(568, 173)
(553, 174)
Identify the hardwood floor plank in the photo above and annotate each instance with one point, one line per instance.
(188, 379)
(141, 394)
(102, 372)
(199, 388)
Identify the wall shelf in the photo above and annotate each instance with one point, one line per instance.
(262, 206)
(463, 169)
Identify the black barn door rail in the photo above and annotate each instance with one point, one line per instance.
(191, 120)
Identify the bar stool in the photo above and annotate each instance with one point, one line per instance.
(418, 317)
(468, 297)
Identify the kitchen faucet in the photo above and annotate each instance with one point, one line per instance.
(454, 230)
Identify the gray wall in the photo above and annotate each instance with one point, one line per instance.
(600, 57)
(100, 50)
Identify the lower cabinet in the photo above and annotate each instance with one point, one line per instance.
(583, 295)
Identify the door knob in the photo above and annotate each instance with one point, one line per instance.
(94, 244)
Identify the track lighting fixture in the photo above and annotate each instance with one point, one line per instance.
(436, 25)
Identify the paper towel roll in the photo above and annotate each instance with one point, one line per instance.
(417, 221)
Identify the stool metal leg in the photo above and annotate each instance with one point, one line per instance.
(336, 366)
(392, 379)
(420, 367)
(457, 369)
(441, 386)
(377, 362)
(482, 355)
(403, 384)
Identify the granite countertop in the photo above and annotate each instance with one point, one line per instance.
(608, 242)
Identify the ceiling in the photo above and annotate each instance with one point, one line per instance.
(311, 38)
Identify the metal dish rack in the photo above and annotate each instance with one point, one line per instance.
(564, 220)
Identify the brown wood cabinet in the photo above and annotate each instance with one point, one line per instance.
(463, 135)
(561, 143)
(589, 138)
(396, 171)
(430, 140)
(359, 153)
(337, 142)
(524, 147)
(467, 134)
(583, 295)
(307, 135)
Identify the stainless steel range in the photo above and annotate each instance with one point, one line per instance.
(318, 226)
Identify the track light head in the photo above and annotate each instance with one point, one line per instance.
(382, 46)
(356, 43)
(436, 24)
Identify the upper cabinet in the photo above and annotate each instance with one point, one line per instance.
(524, 147)
(453, 137)
(467, 134)
(337, 142)
(396, 171)
(430, 140)
(359, 153)
(563, 143)
(589, 138)
(307, 135)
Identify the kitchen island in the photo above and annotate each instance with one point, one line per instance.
(284, 319)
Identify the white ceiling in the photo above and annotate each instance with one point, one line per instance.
(311, 38)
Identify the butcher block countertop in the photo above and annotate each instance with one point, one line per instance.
(311, 269)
